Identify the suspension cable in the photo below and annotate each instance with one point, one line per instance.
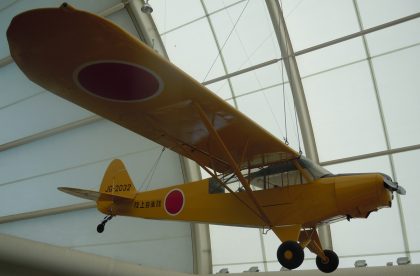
(226, 40)
(148, 179)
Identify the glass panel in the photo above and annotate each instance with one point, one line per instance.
(376, 164)
(396, 37)
(7, 14)
(368, 234)
(221, 89)
(169, 14)
(266, 108)
(344, 112)
(258, 79)
(377, 12)
(235, 245)
(408, 174)
(187, 53)
(213, 6)
(398, 83)
(331, 57)
(311, 22)
(253, 40)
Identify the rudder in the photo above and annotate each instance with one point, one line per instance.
(116, 181)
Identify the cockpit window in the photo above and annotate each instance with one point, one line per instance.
(314, 169)
(282, 174)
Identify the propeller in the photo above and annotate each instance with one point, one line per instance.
(393, 186)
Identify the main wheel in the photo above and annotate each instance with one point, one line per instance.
(330, 265)
(290, 254)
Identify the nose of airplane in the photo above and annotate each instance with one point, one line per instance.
(360, 194)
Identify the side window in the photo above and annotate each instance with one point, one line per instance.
(277, 176)
(291, 178)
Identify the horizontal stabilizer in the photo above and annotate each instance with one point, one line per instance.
(86, 194)
(91, 195)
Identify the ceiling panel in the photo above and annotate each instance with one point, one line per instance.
(193, 49)
(169, 14)
(397, 75)
(314, 22)
(252, 40)
(393, 38)
(344, 112)
(377, 12)
(260, 78)
(330, 57)
(408, 174)
(266, 107)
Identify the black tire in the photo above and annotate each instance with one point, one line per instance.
(329, 266)
(290, 254)
(100, 228)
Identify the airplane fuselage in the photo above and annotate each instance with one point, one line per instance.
(308, 204)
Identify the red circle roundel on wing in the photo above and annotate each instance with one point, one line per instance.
(119, 81)
(174, 202)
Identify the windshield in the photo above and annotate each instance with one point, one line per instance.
(316, 170)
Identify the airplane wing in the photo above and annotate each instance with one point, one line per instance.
(93, 63)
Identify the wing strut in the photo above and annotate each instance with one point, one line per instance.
(232, 163)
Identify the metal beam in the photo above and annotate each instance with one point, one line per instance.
(299, 99)
(200, 233)
(371, 155)
(360, 33)
(385, 130)
(146, 27)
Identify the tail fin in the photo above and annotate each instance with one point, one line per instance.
(117, 182)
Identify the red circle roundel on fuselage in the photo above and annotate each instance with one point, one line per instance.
(174, 202)
(119, 81)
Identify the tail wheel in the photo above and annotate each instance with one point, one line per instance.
(100, 228)
(330, 265)
(290, 254)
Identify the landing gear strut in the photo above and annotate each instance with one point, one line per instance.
(101, 226)
(326, 260)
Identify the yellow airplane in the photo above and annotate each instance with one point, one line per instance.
(90, 61)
